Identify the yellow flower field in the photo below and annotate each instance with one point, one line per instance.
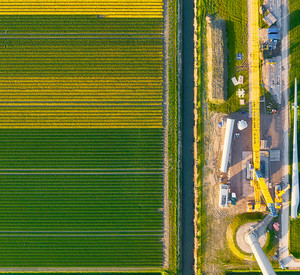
(105, 8)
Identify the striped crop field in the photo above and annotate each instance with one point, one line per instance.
(105, 77)
(88, 198)
(82, 137)
(105, 8)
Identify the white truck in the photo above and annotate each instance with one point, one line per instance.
(223, 198)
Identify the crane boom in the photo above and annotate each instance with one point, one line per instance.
(257, 206)
(265, 191)
(254, 80)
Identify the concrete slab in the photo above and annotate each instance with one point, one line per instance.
(247, 157)
(275, 155)
(271, 73)
(241, 240)
(247, 188)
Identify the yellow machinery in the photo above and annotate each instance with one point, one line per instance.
(258, 181)
(250, 207)
(279, 194)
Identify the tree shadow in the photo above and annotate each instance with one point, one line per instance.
(294, 19)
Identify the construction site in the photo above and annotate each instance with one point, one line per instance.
(248, 150)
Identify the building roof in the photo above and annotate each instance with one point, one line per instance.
(273, 30)
(273, 36)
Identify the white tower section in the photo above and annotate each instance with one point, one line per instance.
(295, 175)
(227, 144)
(260, 256)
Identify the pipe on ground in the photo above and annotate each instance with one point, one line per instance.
(260, 256)
(227, 144)
(295, 174)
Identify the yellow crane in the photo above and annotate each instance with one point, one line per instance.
(278, 196)
(258, 181)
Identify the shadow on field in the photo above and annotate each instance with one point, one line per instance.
(294, 19)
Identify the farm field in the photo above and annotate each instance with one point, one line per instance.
(94, 273)
(79, 24)
(82, 135)
(81, 80)
(103, 8)
(91, 196)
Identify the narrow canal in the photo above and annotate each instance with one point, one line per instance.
(187, 139)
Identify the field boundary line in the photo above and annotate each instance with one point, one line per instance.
(165, 103)
(107, 37)
(88, 173)
(74, 169)
(79, 231)
(80, 235)
(91, 34)
(78, 269)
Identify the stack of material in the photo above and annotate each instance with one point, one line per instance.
(270, 19)
(241, 79)
(241, 93)
(217, 67)
(234, 81)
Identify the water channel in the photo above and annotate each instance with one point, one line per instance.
(187, 139)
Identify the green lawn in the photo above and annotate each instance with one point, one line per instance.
(294, 34)
(289, 272)
(174, 133)
(295, 238)
(235, 15)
